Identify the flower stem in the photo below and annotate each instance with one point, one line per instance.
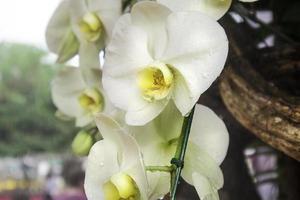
(178, 160)
(127, 3)
(167, 169)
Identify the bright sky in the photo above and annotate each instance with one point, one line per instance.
(25, 21)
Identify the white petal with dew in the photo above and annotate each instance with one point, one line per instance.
(183, 96)
(209, 132)
(163, 129)
(198, 57)
(121, 91)
(204, 188)
(142, 112)
(198, 161)
(213, 8)
(127, 51)
(151, 17)
(168, 124)
(102, 163)
(154, 154)
(129, 155)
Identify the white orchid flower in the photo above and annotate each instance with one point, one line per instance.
(79, 98)
(156, 56)
(206, 150)
(82, 25)
(213, 8)
(114, 168)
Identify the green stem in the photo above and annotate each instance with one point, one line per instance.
(128, 3)
(178, 160)
(91, 128)
(167, 169)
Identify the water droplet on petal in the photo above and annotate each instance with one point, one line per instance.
(205, 75)
(101, 164)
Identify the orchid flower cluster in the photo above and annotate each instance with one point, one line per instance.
(159, 57)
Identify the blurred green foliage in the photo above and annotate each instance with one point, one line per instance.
(27, 120)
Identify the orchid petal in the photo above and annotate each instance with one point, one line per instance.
(213, 8)
(183, 95)
(199, 58)
(65, 89)
(127, 51)
(117, 90)
(78, 9)
(59, 35)
(140, 112)
(209, 132)
(108, 11)
(151, 17)
(102, 163)
(165, 128)
(198, 161)
(83, 120)
(207, 148)
(204, 188)
(128, 151)
(168, 124)
(89, 55)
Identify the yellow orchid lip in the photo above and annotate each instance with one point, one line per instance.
(91, 100)
(110, 191)
(91, 27)
(155, 81)
(121, 186)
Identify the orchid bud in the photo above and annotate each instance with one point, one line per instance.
(82, 143)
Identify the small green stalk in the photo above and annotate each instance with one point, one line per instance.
(178, 160)
(127, 3)
(167, 169)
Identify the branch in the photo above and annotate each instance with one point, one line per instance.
(240, 9)
(178, 160)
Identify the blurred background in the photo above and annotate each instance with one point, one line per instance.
(257, 96)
